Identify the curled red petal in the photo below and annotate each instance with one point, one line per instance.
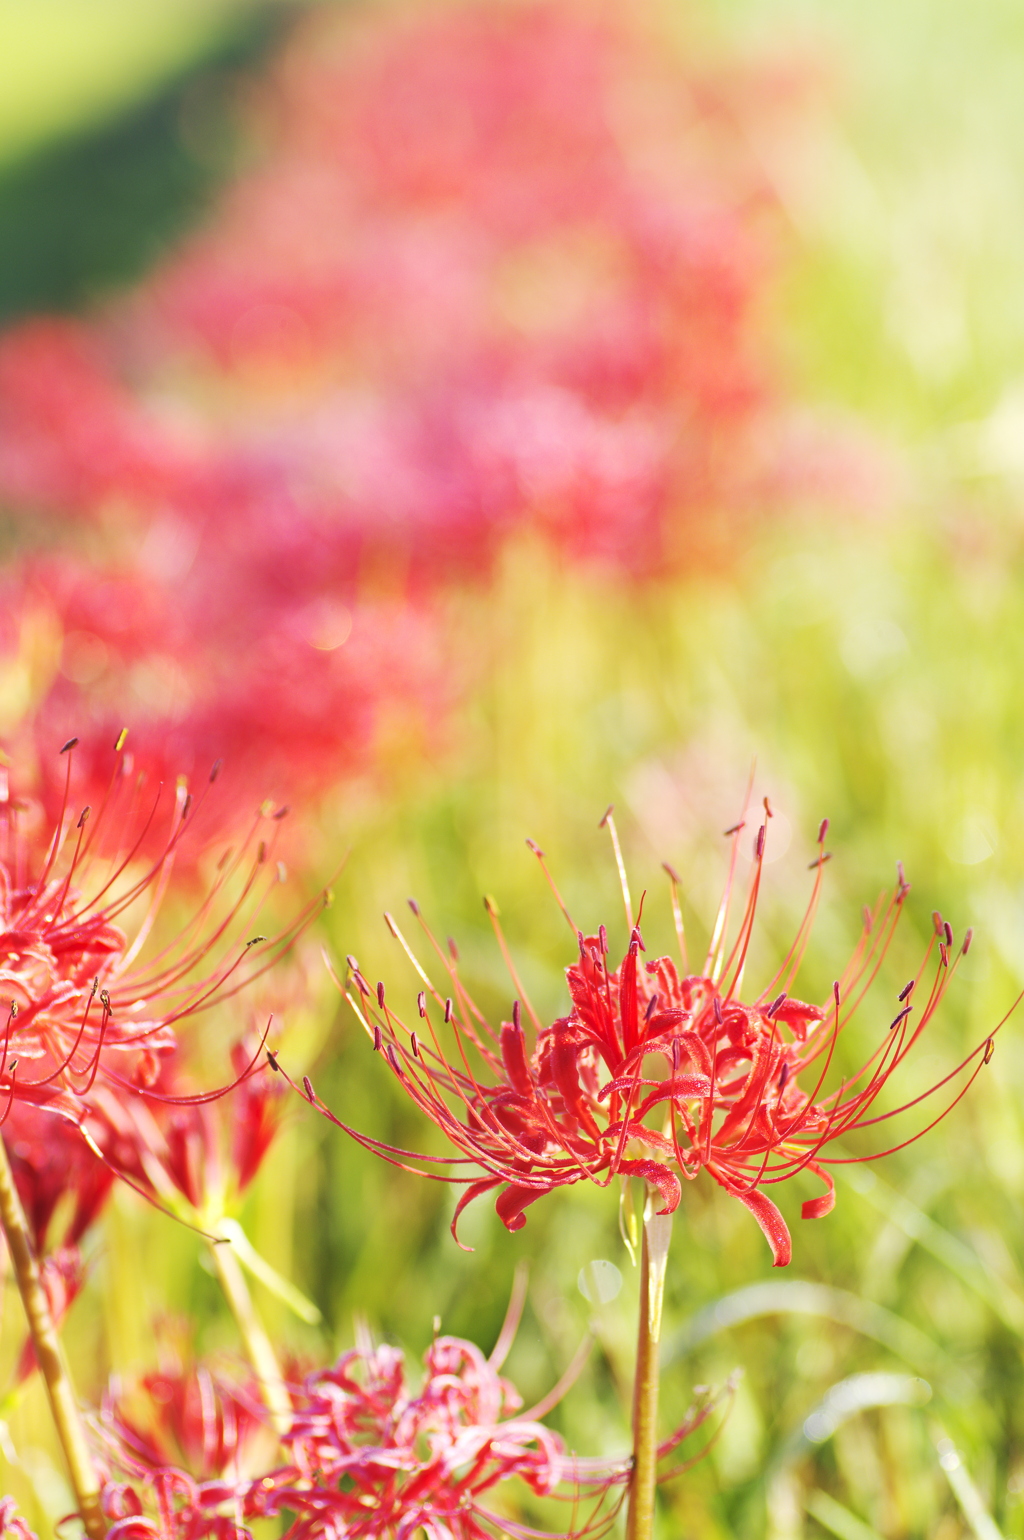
(776, 1231)
(511, 1203)
(817, 1208)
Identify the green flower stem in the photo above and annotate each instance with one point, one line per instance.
(643, 1484)
(258, 1345)
(85, 1482)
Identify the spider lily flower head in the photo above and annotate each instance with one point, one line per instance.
(412, 1460)
(89, 998)
(657, 1072)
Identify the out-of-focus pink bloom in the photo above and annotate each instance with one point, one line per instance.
(72, 436)
(523, 291)
(368, 1456)
(657, 1076)
(495, 268)
(189, 1416)
(12, 1525)
(281, 677)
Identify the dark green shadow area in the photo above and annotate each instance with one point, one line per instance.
(89, 213)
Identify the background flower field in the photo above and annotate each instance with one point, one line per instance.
(840, 604)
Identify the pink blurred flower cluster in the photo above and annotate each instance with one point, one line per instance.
(366, 1455)
(493, 268)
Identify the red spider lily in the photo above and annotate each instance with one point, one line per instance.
(657, 1076)
(90, 1001)
(369, 1457)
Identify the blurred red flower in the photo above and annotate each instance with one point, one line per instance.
(367, 1454)
(493, 268)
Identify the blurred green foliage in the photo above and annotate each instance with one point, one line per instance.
(80, 214)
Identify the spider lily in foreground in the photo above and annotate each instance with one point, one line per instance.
(658, 1074)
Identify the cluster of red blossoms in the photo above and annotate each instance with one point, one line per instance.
(660, 1076)
(94, 1079)
(495, 267)
(367, 1457)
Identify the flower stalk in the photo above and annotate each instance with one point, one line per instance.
(653, 1262)
(258, 1346)
(49, 1354)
